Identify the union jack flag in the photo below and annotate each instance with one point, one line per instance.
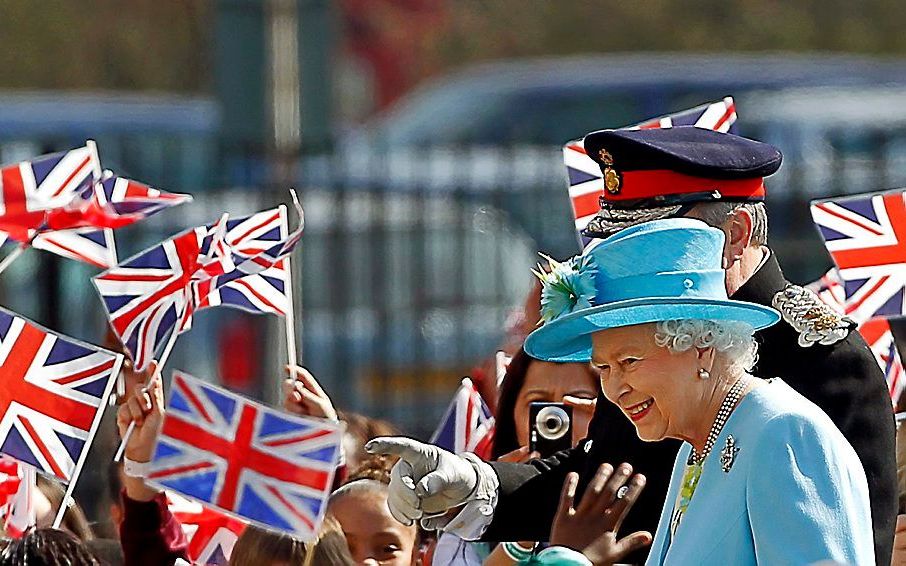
(128, 197)
(467, 425)
(113, 202)
(31, 188)
(149, 296)
(245, 459)
(260, 241)
(586, 183)
(866, 237)
(52, 395)
(880, 339)
(211, 534)
(876, 331)
(259, 283)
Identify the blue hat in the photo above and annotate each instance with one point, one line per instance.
(660, 270)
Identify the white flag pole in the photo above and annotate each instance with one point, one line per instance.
(289, 320)
(160, 370)
(501, 361)
(96, 168)
(67, 497)
(292, 353)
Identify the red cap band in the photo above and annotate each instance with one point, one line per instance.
(657, 183)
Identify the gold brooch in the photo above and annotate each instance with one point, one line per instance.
(612, 179)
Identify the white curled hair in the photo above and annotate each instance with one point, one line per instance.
(735, 340)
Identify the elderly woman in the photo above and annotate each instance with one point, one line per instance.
(763, 477)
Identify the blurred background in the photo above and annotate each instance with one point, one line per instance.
(424, 138)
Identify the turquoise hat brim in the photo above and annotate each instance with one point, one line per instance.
(568, 338)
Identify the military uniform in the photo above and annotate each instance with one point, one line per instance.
(816, 352)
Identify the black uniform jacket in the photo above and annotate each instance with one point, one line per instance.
(843, 379)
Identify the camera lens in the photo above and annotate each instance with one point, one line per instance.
(552, 423)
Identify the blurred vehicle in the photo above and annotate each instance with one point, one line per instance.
(835, 140)
(550, 101)
(498, 127)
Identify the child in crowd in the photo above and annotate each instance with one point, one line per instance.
(373, 535)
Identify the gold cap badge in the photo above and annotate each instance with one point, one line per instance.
(611, 177)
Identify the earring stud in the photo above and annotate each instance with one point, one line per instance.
(704, 374)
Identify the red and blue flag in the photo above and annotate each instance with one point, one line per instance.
(259, 245)
(52, 392)
(113, 202)
(467, 425)
(149, 296)
(866, 237)
(211, 534)
(257, 463)
(31, 189)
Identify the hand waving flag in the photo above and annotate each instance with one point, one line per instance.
(246, 459)
(52, 392)
(586, 183)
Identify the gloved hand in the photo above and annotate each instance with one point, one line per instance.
(427, 481)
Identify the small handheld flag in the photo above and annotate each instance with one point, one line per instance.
(246, 459)
(52, 392)
(467, 425)
(18, 512)
(211, 534)
(31, 189)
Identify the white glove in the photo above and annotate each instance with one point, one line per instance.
(427, 481)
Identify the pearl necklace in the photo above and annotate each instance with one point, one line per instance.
(723, 413)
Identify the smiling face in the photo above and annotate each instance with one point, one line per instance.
(549, 382)
(658, 390)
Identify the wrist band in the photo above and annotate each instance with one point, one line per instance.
(516, 552)
(135, 469)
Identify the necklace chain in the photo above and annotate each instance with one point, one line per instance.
(723, 413)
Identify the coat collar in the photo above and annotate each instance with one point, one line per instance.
(763, 284)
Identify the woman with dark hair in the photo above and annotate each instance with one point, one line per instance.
(529, 380)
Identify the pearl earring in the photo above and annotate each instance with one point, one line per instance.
(704, 374)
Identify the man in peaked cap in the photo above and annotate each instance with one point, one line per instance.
(717, 178)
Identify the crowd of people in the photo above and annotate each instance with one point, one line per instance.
(720, 414)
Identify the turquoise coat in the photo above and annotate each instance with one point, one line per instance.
(795, 492)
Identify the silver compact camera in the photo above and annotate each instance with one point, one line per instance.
(550, 427)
